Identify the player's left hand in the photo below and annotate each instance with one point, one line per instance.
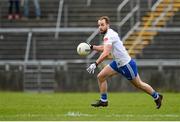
(91, 68)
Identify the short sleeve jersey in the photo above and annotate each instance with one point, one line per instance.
(119, 53)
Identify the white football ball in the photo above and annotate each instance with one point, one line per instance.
(83, 49)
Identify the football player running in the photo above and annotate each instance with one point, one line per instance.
(122, 63)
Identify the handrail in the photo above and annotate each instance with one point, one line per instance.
(134, 10)
(119, 9)
(46, 30)
(89, 39)
(58, 23)
(27, 51)
(131, 31)
(28, 47)
(88, 3)
(140, 62)
(43, 62)
(163, 14)
(156, 5)
(129, 15)
(138, 39)
(122, 5)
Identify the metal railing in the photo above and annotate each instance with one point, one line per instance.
(28, 46)
(170, 6)
(46, 30)
(135, 12)
(119, 9)
(88, 3)
(140, 62)
(58, 23)
(131, 31)
(128, 16)
(156, 5)
(91, 37)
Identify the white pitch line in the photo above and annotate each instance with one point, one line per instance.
(142, 115)
(77, 114)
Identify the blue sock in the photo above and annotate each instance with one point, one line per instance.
(104, 97)
(155, 95)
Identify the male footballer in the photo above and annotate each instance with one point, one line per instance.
(122, 63)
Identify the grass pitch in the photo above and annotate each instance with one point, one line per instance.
(76, 106)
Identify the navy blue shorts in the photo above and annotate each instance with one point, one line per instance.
(129, 70)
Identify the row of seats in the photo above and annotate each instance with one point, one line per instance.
(75, 13)
(165, 45)
(45, 46)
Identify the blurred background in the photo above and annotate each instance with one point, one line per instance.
(38, 40)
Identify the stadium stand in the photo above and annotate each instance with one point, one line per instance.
(79, 15)
(165, 45)
(158, 17)
(76, 13)
(48, 18)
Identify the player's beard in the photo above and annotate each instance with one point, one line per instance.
(103, 31)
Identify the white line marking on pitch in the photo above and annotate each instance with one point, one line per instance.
(77, 114)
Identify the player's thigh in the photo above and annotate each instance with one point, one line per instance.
(107, 71)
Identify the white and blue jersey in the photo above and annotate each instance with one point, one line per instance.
(122, 62)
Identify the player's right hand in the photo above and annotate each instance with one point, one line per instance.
(91, 68)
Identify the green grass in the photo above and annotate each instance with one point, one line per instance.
(76, 106)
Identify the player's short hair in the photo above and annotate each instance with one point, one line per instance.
(106, 18)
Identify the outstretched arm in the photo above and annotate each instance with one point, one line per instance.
(98, 48)
(106, 51)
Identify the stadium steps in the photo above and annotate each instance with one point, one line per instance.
(138, 40)
(166, 44)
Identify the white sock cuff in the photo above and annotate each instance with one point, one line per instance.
(156, 97)
(104, 100)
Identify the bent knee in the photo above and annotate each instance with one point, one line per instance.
(101, 77)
